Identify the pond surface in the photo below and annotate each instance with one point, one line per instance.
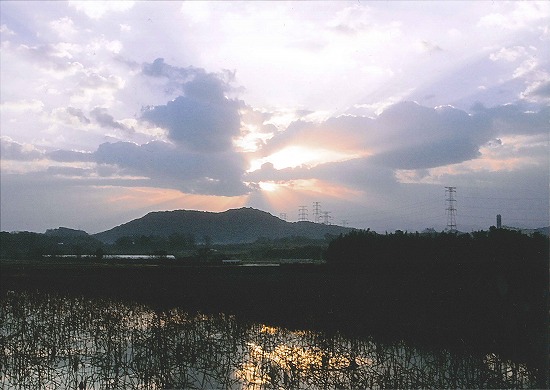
(53, 341)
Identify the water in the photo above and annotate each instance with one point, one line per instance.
(53, 341)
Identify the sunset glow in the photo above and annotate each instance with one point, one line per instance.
(361, 107)
(295, 156)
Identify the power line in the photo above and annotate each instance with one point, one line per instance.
(498, 198)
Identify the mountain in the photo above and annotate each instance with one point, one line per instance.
(65, 232)
(231, 226)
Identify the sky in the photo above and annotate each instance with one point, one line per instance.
(360, 113)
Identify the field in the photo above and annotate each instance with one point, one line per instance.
(454, 311)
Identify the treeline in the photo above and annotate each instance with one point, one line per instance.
(34, 246)
(295, 247)
(493, 285)
(28, 245)
(153, 244)
(485, 272)
(499, 246)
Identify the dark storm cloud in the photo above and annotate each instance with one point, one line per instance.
(105, 120)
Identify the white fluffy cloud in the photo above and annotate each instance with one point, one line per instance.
(97, 9)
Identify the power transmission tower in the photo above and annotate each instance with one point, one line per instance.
(344, 222)
(326, 217)
(316, 211)
(283, 216)
(302, 213)
(451, 209)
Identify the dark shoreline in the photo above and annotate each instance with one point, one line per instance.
(451, 311)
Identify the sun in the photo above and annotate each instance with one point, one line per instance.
(268, 186)
(295, 156)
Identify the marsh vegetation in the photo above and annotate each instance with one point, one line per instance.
(385, 311)
(56, 341)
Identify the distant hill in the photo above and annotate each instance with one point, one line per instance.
(65, 232)
(543, 230)
(231, 226)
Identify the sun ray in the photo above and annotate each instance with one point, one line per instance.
(287, 196)
(164, 198)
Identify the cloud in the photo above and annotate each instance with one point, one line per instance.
(48, 56)
(11, 150)
(173, 78)
(352, 20)
(22, 106)
(77, 113)
(6, 30)
(538, 91)
(346, 133)
(158, 68)
(406, 136)
(435, 154)
(156, 164)
(521, 15)
(96, 9)
(106, 120)
(197, 129)
(202, 119)
(511, 119)
(69, 171)
(509, 54)
(429, 47)
(64, 27)
(198, 157)
(168, 165)
(62, 75)
(70, 156)
(89, 79)
(359, 173)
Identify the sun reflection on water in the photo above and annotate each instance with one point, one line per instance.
(59, 342)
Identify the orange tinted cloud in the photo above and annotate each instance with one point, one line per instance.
(163, 198)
